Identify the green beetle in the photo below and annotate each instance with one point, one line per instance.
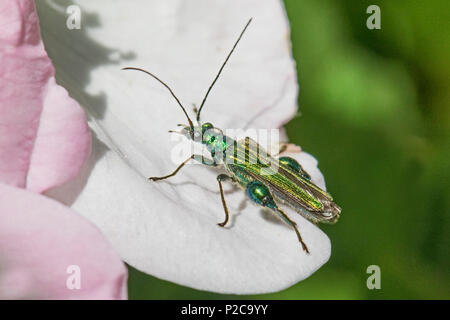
(267, 181)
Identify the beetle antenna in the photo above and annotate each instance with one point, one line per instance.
(221, 68)
(165, 85)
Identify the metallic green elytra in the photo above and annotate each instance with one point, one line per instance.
(268, 182)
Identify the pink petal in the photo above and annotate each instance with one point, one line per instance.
(40, 239)
(44, 137)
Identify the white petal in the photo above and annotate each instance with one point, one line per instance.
(168, 229)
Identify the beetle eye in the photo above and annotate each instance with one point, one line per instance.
(206, 126)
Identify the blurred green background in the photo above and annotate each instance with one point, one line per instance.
(375, 112)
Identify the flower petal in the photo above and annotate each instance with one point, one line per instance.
(168, 229)
(40, 239)
(44, 138)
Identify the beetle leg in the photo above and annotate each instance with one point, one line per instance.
(220, 178)
(197, 157)
(293, 225)
(261, 195)
(283, 147)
